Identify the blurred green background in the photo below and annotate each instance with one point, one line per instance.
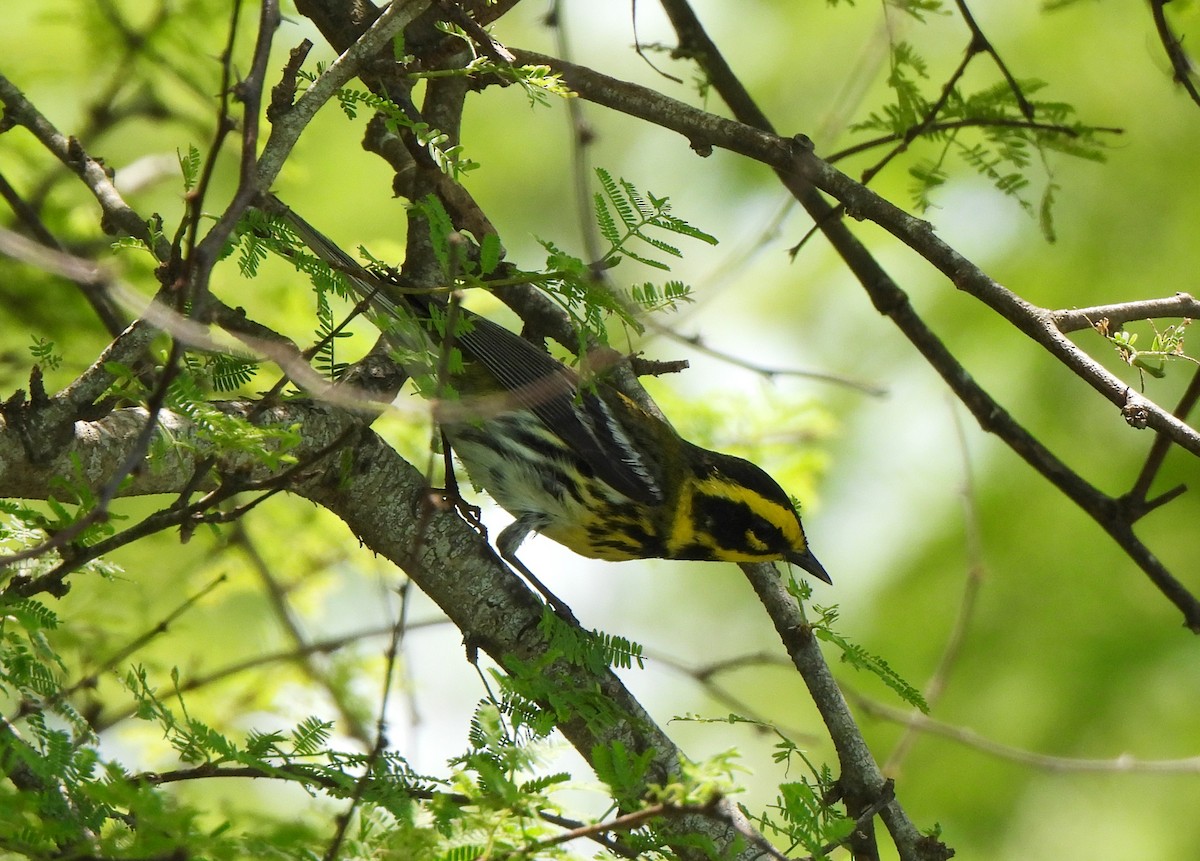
(1068, 653)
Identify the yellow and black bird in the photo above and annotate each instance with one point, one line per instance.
(583, 464)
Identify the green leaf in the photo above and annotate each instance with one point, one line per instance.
(490, 252)
(310, 736)
(44, 353)
(859, 658)
(623, 770)
(189, 165)
(638, 214)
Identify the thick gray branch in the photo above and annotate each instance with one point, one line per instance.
(288, 125)
(1120, 313)
(378, 495)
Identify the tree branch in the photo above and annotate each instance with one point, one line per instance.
(117, 217)
(1181, 63)
(1120, 313)
(1121, 764)
(861, 782)
(375, 492)
(287, 125)
(803, 173)
(797, 164)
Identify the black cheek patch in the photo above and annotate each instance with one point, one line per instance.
(729, 521)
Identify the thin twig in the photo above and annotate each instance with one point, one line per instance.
(706, 676)
(204, 255)
(860, 782)
(346, 817)
(1181, 63)
(975, 123)
(90, 279)
(1122, 764)
(581, 136)
(118, 216)
(972, 585)
(914, 132)
(980, 42)
(1137, 495)
(282, 656)
(305, 658)
(697, 343)
(624, 822)
(143, 639)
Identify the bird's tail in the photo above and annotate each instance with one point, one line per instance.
(380, 293)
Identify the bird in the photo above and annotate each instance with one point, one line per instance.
(576, 460)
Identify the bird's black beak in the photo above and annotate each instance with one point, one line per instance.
(810, 564)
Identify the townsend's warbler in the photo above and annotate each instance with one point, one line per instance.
(581, 464)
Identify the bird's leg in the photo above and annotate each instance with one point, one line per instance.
(449, 497)
(507, 542)
(556, 603)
